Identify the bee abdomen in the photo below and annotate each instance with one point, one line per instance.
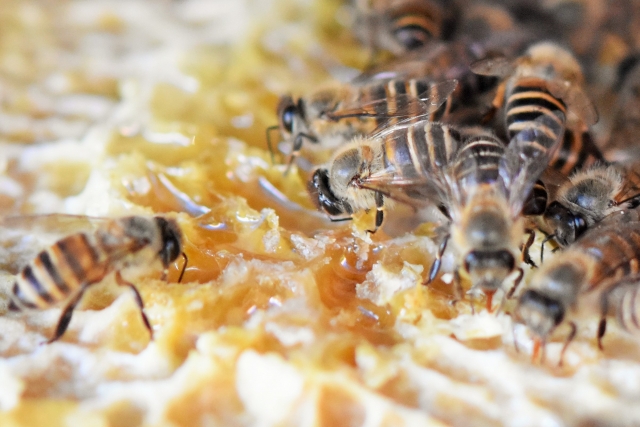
(57, 272)
(415, 27)
(577, 151)
(526, 103)
(479, 160)
(537, 201)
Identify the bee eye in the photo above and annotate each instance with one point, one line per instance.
(579, 225)
(412, 36)
(288, 115)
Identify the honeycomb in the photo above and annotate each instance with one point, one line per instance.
(282, 318)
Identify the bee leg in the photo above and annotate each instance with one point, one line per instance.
(544, 241)
(513, 332)
(121, 282)
(495, 105)
(447, 107)
(570, 338)
(65, 317)
(297, 145)
(516, 283)
(458, 292)
(602, 328)
(379, 212)
(525, 248)
(269, 145)
(184, 266)
(435, 267)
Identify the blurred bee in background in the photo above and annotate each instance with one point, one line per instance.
(599, 272)
(580, 22)
(400, 26)
(589, 196)
(481, 21)
(65, 270)
(329, 118)
(547, 78)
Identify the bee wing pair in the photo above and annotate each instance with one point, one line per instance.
(522, 163)
(527, 156)
(401, 108)
(578, 103)
(61, 224)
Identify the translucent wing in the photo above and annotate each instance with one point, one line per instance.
(62, 224)
(419, 191)
(553, 180)
(528, 155)
(498, 66)
(403, 105)
(22, 237)
(577, 102)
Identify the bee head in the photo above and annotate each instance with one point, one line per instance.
(321, 194)
(171, 240)
(539, 312)
(567, 225)
(288, 111)
(489, 269)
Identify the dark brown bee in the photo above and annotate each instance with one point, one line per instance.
(599, 272)
(330, 117)
(399, 26)
(545, 80)
(65, 270)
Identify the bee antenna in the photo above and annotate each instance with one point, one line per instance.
(184, 266)
(269, 145)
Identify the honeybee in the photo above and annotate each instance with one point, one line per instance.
(546, 79)
(65, 270)
(330, 117)
(588, 197)
(479, 183)
(599, 272)
(399, 157)
(399, 26)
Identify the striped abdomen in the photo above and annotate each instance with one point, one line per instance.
(615, 251)
(421, 148)
(527, 101)
(415, 24)
(478, 161)
(59, 271)
(398, 99)
(576, 152)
